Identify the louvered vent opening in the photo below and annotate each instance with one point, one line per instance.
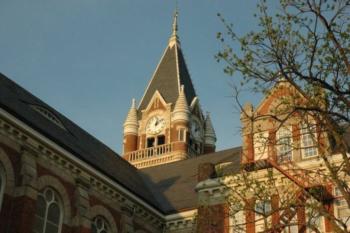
(48, 115)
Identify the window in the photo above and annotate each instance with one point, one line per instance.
(292, 227)
(182, 134)
(48, 215)
(284, 144)
(160, 140)
(308, 141)
(314, 220)
(342, 212)
(263, 208)
(262, 212)
(2, 186)
(237, 222)
(150, 142)
(100, 225)
(261, 145)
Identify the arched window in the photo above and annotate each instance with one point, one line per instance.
(2, 185)
(48, 215)
(100, 225)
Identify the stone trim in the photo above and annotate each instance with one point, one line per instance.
(18, 131)
(54, 183)
(6, 164)
(99, 210)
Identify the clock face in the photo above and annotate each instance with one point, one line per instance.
(196, 130)
(155, 125)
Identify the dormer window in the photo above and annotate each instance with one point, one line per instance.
(48, 115)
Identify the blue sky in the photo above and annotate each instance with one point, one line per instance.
(89, 58)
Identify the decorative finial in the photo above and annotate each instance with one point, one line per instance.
(133, 103)
(182, 88)
(174, 38)
(176, 13)
(131, 123)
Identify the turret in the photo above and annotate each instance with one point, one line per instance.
(181, 110)
(131, 129)
(209, 136)
(180, 118)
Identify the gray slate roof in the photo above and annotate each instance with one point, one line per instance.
(173, 184)
(170, 73)
(169, 188)
(17, 101)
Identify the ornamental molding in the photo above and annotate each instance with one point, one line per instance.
(182, 220)
(6, 166)
(45, 149)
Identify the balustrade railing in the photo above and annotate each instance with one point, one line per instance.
(150, 152)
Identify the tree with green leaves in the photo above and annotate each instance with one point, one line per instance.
(305, 43)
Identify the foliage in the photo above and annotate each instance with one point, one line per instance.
(307, 44)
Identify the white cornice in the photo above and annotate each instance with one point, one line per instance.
(184, 214)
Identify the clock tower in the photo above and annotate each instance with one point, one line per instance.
(168, 125)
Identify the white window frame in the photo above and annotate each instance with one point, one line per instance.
(261, 145)
(284, 132)
(320, 226)
(266, 207)
(308, 130)
(182, 129)
(2, 185)
(293, 228)
(340, 204)
(59, 203)
(237, 218)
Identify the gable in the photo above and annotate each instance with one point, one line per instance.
(156, 103)
(279, 99)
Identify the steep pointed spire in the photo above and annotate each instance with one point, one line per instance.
(209, 133)
(170, 74)
(131, 124)
(174, 39)
(181, 109)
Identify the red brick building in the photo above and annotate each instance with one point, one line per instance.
(55, 177)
